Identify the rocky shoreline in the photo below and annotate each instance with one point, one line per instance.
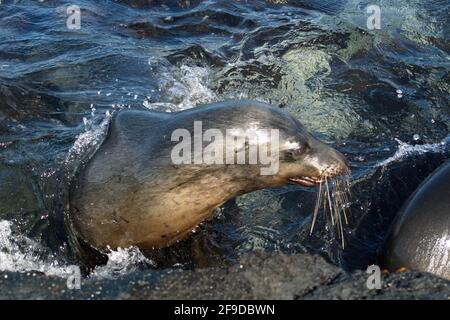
(258, 276)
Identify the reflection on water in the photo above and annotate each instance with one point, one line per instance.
(314, 58)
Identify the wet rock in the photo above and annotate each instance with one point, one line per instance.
(257, 276)
(406, 286)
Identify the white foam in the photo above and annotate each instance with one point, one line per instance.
(184, 88)
(88, 140)
(406, 150)
(121, 262)
(21, 254)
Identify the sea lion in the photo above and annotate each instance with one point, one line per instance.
(419, 238)
(132, 193)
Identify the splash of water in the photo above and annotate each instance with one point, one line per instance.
(406, 150)
(87, 142)
(121, 262)
(21, 254)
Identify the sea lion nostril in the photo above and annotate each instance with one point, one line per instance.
(336, 170)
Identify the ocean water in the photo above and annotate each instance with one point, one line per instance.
(380, 96)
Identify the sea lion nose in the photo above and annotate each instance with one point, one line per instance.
(332, 162)
(339, 164)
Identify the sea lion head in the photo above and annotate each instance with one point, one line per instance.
(287, 153)
(306, 161)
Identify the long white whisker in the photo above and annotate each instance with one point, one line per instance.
(329, 201)
(337, 195)
(316, 209)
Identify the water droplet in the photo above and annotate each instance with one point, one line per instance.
(416, 137)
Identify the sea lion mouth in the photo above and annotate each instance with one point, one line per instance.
(312, 181)
(306, 181)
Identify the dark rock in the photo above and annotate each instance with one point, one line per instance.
(257, 276)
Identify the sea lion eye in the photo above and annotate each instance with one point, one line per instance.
(294, 150)
(294, 146)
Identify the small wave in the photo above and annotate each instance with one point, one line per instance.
(183, 88)
(88, 141)
(21, 254)
(406, 150)
(121, 262)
